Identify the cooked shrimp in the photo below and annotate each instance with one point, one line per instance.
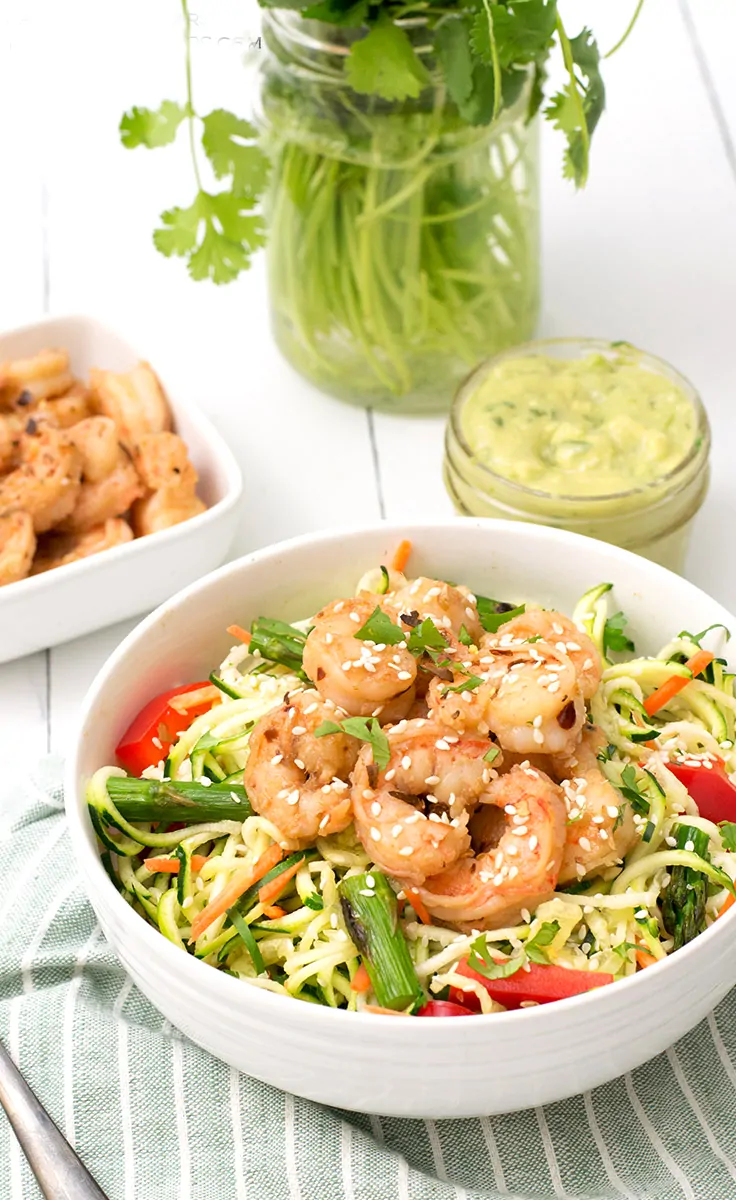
(57, 550)
(558, 630)
(528, 695)
(46, 484)
(295, 780)
(67, 410)
(505, 874)
(109, 497)
(448, 606)
(96, 439)
(17, 547)
(11, 430)
(363, 677)
(135, 400)
(412, 817)
(164, 508)
(600, 826)
(162, 460)
(45, 374)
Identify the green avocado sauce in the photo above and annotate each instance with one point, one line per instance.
(587, 427)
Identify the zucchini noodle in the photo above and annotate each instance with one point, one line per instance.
(301, 944)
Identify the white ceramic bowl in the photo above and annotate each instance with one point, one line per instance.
(433, 1068)
(47, 609)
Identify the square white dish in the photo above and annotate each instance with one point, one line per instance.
(72, 600)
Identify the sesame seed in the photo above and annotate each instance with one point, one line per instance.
(612, 810)
(580, 869)
(584, 842)
(396, 830)
(587, 664)
(598, 820)
(690, 845)
(339, 606)
(538, 737)
(328, 639)
(412, 820)
(526, 915)
(390, 774)
(498, 880)
(157, 743)
(375, 809)
(298, 763)
(520, 831)
(510, 809)
(404, 675)
(537, 722)
(441, 744)
(333, 920)
(431, 780)
(604, 835)
(327, 788)
(406, 762)
(354, 617)
(513, 872)
(405, 851)
(277, 758)
(366, 892)
(512, 850)
(368, 793)
(298, 730)
(282, 794)
(533, 842)
(293, 798)
(553, 687)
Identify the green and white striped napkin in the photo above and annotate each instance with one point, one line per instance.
(155, 1118)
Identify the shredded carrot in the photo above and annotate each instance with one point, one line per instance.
(272, 911)
(401, 555)
(361, 980)
(240, 882)
(670, 688)
(412, 896)
(271, 891)
(238, 632)
(645, 959)
(187, 700)
(171, 865)
(384, 1012)
(727, 903)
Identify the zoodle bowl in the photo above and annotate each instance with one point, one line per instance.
(483, 1064)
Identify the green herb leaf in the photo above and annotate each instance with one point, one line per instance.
(384, 64)
(452, 41)
(379, 628)
(482, 961)
(524, 30)
(228, 142)
(315, 902)
(534, 948)
(630, 788)
(607, 753)
(728, 835)
(426, 637)
(577, 109)
(614, 638)
(623, 949)
(464, 637)
(366, 729)
(491, 755)
(467, 685)
(491, 618)
(151, 127)
(217, 233)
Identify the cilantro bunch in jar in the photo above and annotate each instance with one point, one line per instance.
(392, 167)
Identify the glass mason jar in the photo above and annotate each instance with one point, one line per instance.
(403, 242)
(653, 519)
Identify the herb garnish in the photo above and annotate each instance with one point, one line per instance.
(728, 835)
(482, 961)
(467, 685)
(426, 637)
(545, 935)
(491, 755)
(495, 613)
(366, 729)
(380, 629)
(614, 638)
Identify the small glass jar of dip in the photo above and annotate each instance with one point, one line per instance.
(582, 434)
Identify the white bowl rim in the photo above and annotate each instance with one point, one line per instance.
(219, 447)
(264, 1001)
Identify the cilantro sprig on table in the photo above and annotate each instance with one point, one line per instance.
(485, 52)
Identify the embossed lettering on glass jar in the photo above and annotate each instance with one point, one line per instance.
(610, 442)
(403, 241)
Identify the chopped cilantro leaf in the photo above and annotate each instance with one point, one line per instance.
(534, 948)
(482, 961)
(491, 755)
(728, 835)
(384, 63)
(630, 789)
(467, 685)
(366, 729)
(495, 613)
(426, 637)
(464, 637)
(614, 638)
(315, 902)
(380, 629)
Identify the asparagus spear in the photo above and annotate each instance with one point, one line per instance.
(279, 643)
(684, 898)
(371, 915)
(157, 800)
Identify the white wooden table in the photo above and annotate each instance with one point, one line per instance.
(647, 253)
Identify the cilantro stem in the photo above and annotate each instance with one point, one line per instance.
(191, 114)
(627, 31)
(494, 60)
(577, 98)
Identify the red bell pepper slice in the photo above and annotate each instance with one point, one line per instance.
(137, 748)
(443, 1008)
(709, 786)
(540, 983)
